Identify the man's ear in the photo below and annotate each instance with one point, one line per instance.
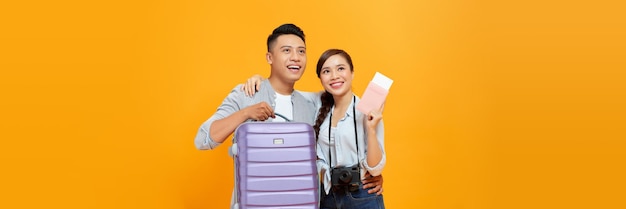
(268, 57)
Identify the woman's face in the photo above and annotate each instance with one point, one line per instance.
(336, 75)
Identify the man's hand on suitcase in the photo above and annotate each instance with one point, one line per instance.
(374, 182)
(260, 111)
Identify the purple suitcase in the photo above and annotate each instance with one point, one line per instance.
(275, 166)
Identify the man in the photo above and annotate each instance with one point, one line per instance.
(286, 54)
(287, 58)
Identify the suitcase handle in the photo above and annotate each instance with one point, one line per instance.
(233, 150)
(282, 116)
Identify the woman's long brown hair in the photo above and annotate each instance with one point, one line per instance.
(327, 99)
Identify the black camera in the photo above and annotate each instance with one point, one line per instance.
(345, 176)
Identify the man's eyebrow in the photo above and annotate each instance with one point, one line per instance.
(289, 46)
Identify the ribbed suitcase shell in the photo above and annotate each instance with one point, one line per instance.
(275, 165)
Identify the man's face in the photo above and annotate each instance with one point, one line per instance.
(287, 58)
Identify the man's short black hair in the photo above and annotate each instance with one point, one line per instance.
(284, 29)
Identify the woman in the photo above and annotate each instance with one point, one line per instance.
(349, 142)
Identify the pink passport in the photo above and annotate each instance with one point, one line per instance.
(375, 93)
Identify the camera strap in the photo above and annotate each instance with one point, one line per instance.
(356, 136)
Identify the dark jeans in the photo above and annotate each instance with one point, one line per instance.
(342, 198)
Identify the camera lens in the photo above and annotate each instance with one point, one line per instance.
(345, 176)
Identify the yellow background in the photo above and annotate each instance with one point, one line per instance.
(496, 104)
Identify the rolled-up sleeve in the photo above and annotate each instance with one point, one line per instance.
(203, 140)
(230, 105)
